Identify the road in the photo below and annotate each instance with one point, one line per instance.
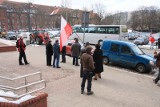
(119, 87)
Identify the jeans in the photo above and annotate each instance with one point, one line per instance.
(75, 60)
(86, 76)
(56, 59)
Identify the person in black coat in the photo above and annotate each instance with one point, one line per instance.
(49, 53)
(98, 59)
(157, 56)
(63, 54)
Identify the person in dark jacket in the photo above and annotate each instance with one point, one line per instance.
(158, 43)
(21, 48)
(63, 54)
(157, 56)
(88, 67)
(75, 50)
(49, 53)
(98, 59)
(56, 51)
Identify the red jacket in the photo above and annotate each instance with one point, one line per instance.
(151, 39)
(20, 45)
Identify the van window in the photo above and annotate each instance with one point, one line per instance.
(115, 47)
(125, 50)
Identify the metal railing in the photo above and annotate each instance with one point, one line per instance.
(8, 88)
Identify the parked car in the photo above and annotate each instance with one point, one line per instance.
(24, 34)
(131, 36)
(11, 36)
(141, 41)
(69, 44)
(126, 54)
(54, 33)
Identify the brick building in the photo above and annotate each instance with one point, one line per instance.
(27, 16)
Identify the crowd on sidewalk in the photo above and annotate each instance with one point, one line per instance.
(91, 60)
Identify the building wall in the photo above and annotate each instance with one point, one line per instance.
(16, 16)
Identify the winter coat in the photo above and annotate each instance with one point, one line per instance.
(98, 59)
(56, 49)
(88, 63)
(20, 45)
(49, 50)
(76, 49)
(157, 56)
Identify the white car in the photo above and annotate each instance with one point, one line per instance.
(54, 33)
(24, 35)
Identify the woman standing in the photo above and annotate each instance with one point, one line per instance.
(98, 59)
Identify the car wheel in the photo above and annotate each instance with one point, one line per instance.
(106, 60)
(140, 68)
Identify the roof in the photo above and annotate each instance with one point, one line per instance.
(120, 42)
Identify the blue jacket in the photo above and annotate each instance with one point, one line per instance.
(56, 49)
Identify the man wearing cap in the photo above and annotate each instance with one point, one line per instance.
(49, 52)
(21, 48)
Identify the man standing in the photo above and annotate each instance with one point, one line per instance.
(152, 40)
(49, 53)
(56, 51)
(21, 48)
(75, 50)
(83, 50)
(157, 56)
(88, 68)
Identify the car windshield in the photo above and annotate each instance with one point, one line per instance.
(137, 50)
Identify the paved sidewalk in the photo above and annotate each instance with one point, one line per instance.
(117, 88)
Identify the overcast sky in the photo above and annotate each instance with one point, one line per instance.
(110, 5)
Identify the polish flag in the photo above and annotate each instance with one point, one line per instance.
(66, 31)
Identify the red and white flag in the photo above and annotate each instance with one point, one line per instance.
(66, 31)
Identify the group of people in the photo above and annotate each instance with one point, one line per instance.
(91, 61)
(91, 65)
(55, 51)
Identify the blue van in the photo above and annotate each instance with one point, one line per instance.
(126, 54)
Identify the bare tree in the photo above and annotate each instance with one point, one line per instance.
(145, 19)
(108, 20)
(66, 3)
(100, 10)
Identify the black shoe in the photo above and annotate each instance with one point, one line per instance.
(90, 93)
(58, 67)
(77, 65)
(53, 66)
(21, 64)
(82, 91)
(27, 63)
